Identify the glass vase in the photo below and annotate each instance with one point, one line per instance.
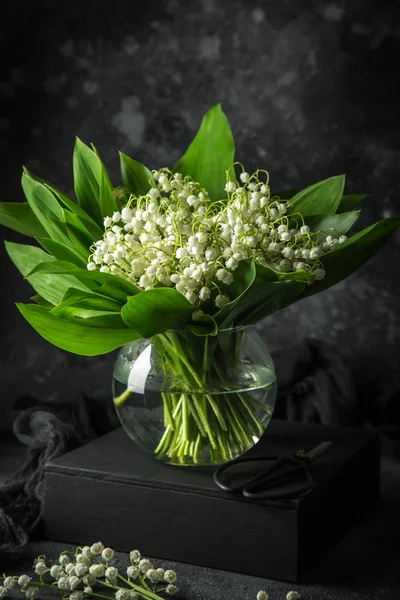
(195, 400)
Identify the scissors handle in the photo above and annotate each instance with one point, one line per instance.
(230, 465)
(262, 488)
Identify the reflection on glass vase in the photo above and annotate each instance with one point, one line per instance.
(195, 400)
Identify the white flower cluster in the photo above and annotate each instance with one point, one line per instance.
(176, 237)
(86, 569)
(146, 567)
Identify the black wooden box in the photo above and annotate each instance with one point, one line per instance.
(109, 490)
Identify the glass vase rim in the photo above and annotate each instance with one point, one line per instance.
(189, 332)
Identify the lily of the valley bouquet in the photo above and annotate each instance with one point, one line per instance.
(187, 257)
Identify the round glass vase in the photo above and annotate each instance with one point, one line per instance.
(195, 400)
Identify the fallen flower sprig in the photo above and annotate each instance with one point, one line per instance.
(87, 572)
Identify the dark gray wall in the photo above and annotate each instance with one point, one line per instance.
(309, 87)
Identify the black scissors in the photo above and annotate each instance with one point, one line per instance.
(293, 480)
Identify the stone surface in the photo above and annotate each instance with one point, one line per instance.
(309, 90)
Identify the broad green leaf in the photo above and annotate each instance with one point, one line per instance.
(87, 174)
(112, 286)
(205, 325)
(40, 300)
(117, 288)
(50, 286)
(96, 310)
(350, 202)
(346, 258)
(251, 276)
(341, 223)
(74, 337)
(263, 299)
(95, 230)
(105, 319)
(26, 257)
(60, 232)
(321, 198)
(20, 217)
(61, 252)
(53, 267)
(74, 235)
(266, 273)
(43, 204)
(108, 204)
(106, 284)
(65, 201)
(136, 177)
(78, 234)
(211, 154)
(268, 292)
(76, 298)
(244, 276)
(157, 310)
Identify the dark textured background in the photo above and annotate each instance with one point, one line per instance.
(309, 88)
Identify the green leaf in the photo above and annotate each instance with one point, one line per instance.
(40, 300)
(108, 204)
(63, 237)
(244, 276)
(349, 202)
(116, 287)
(268, 292)
(205, 325)
(94, 309)
(105, 319)
(95, 231)
(78, 234)
(20, 217)
(346, 258)
(157, 310)
(43, 204)
(265, 273)
(341, 223)
(136, 177)
(74, 337)
(76, 298)
(321, 198)
(211, 154)
(106, 284)
(61, 252)
(251, 276)
(74, 234)
(87, 174)
(66, 201)
(265, 298)
(54, 267)
(50, 286)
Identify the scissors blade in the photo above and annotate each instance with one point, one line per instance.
(315, 452)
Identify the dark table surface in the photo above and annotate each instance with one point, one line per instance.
(364, 566)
